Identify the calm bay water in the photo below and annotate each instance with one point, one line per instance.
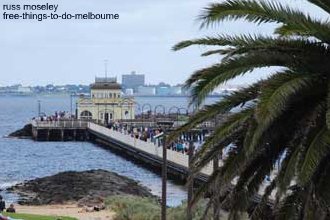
(25, 159)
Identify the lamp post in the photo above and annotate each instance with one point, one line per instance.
(191, 183)
(71, 103)
(155, 111)
(186, 111)
(164, 173)
(39, 108)
(177, 112)
(143, 106)
(164, 179)
(76, 110)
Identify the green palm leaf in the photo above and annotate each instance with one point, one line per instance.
(275, 99)
(210, 112)
(317, 151)
(265, 12)
(324, 4)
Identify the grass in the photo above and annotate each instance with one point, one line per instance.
(35, 217)
(136, 208)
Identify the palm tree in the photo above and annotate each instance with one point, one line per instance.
(285, 117)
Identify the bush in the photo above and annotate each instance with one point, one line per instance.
(137, 208)
(134, 208)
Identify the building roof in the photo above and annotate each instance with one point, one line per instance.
(105, 79)
(105, 85)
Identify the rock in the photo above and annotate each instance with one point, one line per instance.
(25, 132)
(88, 188)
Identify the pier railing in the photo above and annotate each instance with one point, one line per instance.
(147, 147)
(69, 124)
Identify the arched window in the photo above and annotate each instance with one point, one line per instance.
(86, 115)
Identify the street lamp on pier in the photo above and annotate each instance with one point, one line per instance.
(155, 111)
(39, 108)
(177, 113)
(143, 106)
(164, 127)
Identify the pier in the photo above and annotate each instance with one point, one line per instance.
(146, 152)
(67, 130)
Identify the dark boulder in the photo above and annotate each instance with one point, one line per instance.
(25, 132)
(81, 187)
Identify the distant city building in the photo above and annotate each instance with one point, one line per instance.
(176, 90)
(129, 92)
(146, 90)
(163, 89)
(24, 90)
(106, 103)
(133, 81)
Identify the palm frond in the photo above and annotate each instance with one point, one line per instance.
(262, 209)
(244, 43)
(264, 12)
(318, 149)
(324, 4)
(275, 99)
(205, 81)
(213, 146)
(226, 104)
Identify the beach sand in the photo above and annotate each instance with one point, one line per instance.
(70, 210)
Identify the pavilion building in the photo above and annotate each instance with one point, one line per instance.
(106, 103)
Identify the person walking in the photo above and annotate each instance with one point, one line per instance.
(2, 204)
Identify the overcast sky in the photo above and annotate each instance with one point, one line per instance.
(63, 52)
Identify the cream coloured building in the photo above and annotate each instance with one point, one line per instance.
(106, 103)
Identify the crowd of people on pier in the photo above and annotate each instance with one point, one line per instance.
(57, 116)
(154, 135)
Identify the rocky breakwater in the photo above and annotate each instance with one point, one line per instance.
(85, 188)
(25, 132)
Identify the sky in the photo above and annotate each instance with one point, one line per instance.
(73, 51)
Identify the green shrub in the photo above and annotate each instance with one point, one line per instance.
(136, 208)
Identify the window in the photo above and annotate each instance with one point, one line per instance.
(86, 115)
